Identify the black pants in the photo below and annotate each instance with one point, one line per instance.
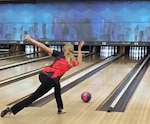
(46, 84)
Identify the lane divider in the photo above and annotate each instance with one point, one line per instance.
(116, 100)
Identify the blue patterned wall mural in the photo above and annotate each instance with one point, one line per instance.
(96, 21)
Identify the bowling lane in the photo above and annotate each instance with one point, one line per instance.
(17, 59)
(18, 70)
(26, 86)
(8, 54)
(33, 66)
(100, 85)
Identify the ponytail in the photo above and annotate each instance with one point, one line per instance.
(68, 53)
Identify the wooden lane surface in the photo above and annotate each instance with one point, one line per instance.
(11, 72)
(25, 87)
(17, 59)
(99, 85)
(11, 61)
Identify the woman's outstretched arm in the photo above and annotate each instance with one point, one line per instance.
(38, 44)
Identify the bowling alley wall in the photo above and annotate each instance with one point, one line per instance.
(73, 21)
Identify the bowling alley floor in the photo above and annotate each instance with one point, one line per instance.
(100, 85)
